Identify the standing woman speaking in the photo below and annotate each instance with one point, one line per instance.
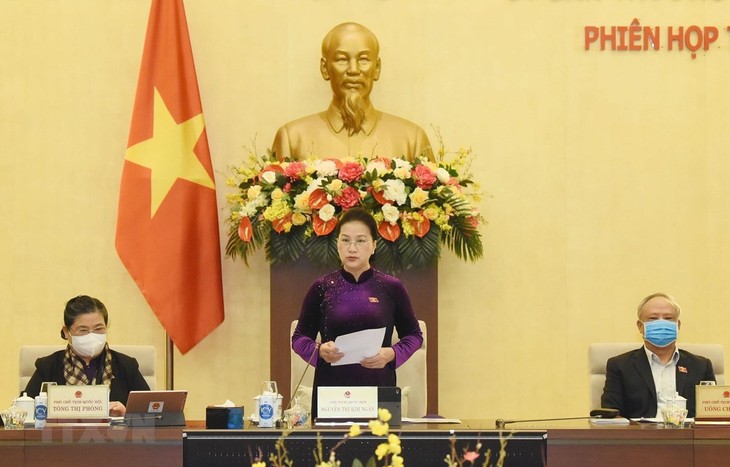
(355, 298)
(87, 359)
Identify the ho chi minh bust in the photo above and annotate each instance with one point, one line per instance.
(351, 125)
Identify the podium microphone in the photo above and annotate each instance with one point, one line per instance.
(315, 352)
(597, 413)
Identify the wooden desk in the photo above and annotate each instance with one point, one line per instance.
(712, 446)
(111, 446)
(571, 444)
(578, 443)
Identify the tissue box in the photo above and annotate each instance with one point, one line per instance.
(223, 417)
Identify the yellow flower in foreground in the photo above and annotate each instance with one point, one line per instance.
(378, 428)
(384, 415)
(381, 451)
(396, 461)
(394, 444)
(259, 464)
(354, 431)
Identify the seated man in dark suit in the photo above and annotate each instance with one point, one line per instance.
(639, 383)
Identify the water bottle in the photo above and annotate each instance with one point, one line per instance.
(41, 410)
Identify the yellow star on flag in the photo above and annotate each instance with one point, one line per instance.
(169, 154)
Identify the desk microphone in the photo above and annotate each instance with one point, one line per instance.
(596, 413)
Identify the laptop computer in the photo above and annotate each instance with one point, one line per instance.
(156, 408)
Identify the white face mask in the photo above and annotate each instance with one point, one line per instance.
(89, 345)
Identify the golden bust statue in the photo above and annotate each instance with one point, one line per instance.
(351, 125)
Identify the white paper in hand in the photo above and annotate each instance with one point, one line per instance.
(359, 345)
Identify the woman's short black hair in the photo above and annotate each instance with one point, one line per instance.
(81, 305)
(359, 215)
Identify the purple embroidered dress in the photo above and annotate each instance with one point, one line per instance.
(337, 304)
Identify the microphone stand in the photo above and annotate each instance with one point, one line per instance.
(596, 413)
(296, 388)
(499, 423)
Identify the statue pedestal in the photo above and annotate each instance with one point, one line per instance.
(289, 284)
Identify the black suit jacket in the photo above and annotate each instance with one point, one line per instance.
(124, 368)
(630, 385)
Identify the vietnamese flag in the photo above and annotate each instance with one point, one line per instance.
(167, 224)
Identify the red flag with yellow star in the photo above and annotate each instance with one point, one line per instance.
(167, 225)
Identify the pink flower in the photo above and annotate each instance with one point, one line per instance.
(350, 172)
(296, 170)
(349, 197)
(471, 456)
(425, 178)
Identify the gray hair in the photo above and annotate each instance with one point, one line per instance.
(667, 297)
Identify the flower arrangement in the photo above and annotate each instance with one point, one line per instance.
(387, 453)
(291, 208)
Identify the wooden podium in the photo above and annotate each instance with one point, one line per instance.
(289, 284)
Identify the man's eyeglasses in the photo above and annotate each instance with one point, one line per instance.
(359, 243)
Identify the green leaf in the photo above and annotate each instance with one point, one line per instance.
(387, 258)
(322, 251)
(237, 247)
(464, 240)
(420, 252)
(285, 247)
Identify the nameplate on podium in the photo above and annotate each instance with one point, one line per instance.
(713, 405)
(78, 404)
(353, 404)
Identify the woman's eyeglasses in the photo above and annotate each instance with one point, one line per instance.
(359, 243)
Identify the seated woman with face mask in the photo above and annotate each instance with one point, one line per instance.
(87, 358)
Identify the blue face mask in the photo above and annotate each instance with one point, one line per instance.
(660, 332)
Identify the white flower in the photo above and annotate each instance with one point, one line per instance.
(269, 176)
(402, 172)
(402, 168)
(316, 183)
(325, 168)
(395, 190)
(327, 212)
(378, 166)
(390, 213)
(253, 191)
(248, 210)
(443, 175)
(403, 163)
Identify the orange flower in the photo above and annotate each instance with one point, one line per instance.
(323, 228)
(389, 231)
(245, 230)
(318, 198)
(421, 228)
